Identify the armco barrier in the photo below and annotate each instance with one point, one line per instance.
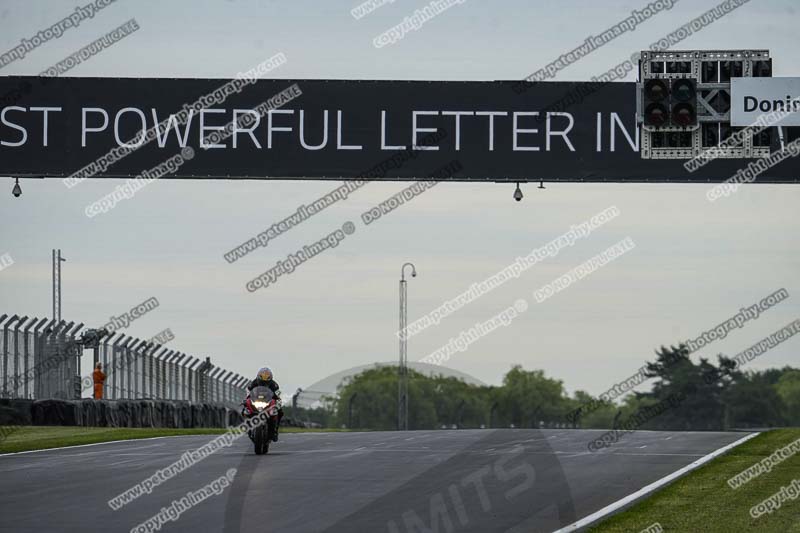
(116, 413)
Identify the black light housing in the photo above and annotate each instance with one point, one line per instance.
(684, 115)
(518, 193)
(655, 115)
(683, 102)
(656, 90)
(17, 190)
(655, 95)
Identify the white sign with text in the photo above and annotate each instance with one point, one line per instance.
(754, 97)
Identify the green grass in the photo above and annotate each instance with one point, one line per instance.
(703, 501)
(25, 438)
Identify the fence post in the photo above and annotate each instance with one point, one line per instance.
(236, 383)
(225, 392)
(53, 366)
(168, 377)
(119, 366)
(151, 372)
(173, 370)
(151, 375)
(189, 381)
(138, 369)
(178, 385)
(133, 364)
(184, 385)
(37, 356)
(165, 374)
(160, 373)
(218, 384)
(125, 376)
(147, 370)
(44, 369)
(5, 353)
(116, 350)
(243, 382)
(2, 319)
(144, 350)
(240, 384)
(196, 380)
(185, 377)
(103, 356)
(231, 395)
(67, 364)
(211, 394)
(204, 370)
(231, 389)
(15, 375)
(130, 363)
(119, 359)
(26, 357)
(176, 372)
(212, 381)
(149, 347)
(63, 362)
(74, 355)
(158, 379)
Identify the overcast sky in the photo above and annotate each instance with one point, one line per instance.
(695, 263)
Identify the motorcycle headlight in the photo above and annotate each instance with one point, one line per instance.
(260, 405)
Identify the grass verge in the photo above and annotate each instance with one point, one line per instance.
(703, 500)
(26, 438)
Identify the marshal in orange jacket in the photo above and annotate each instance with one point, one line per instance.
(99, 379)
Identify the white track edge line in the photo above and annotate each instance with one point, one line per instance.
(609, 509)
(100, 443)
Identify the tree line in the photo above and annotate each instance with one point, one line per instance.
(713, 396)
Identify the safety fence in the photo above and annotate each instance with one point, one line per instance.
(41, 359)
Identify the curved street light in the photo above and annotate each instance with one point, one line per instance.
(402, 381)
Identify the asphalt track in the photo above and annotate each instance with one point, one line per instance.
(511, 481)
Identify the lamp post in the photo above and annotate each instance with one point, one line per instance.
(402, 381)
(57, 260)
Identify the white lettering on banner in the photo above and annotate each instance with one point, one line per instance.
(308, 129)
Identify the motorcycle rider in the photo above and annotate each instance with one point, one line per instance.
(264, 378)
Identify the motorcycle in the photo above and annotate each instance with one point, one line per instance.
(260, 400)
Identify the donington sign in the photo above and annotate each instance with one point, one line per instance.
(754, 97)
(334, 129)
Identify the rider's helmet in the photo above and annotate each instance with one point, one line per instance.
(264, 373)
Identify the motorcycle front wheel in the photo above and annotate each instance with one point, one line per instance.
(261, 442)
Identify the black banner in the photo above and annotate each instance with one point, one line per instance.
(334, 129)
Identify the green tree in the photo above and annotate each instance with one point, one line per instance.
(698, 389)
(788, 388)
(528, 397)
(753, 402)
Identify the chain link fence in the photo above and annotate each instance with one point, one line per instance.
(41, 359)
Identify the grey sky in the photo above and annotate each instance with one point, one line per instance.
(695, 263)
